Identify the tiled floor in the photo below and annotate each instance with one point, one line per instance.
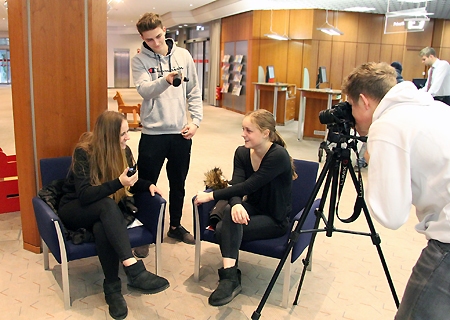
(346, 282)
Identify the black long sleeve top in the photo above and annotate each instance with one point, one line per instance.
(268, 189)
(78, 182)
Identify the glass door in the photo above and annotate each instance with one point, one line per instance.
(199, 49)
(5, 67)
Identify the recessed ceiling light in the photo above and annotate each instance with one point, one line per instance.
(414, 1)
(360, 9)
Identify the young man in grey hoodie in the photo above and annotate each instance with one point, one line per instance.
(166, 78)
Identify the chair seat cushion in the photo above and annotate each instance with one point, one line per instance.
(138, 236)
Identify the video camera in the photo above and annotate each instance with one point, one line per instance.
(339, 118)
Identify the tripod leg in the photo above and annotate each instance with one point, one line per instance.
(376, 240)
(294, 234)
(307, 260)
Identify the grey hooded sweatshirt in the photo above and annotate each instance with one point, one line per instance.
(163, 109)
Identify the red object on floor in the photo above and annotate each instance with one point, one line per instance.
(9, 183)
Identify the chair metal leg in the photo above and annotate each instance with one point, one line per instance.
(198, 245)
(287, 282)
(45, 254)
(159, 232)
(64, 266)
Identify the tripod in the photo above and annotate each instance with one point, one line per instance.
(337, 158)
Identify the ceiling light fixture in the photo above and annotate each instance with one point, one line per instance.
(329, 29)
(274, 35)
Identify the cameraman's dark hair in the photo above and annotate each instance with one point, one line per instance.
(371, 79)
(149, 21)
(427, 51)
(264, 119)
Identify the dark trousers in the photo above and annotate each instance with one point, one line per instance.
(427, 293)
(153, 151)
(444, 99)
(230, 235)
(108, 225)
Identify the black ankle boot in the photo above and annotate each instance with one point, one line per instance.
(113, 296)
(229, 287)
(139, 279)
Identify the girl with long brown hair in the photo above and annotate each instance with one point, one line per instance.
(96, 182)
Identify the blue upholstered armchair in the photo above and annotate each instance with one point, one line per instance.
(52, 232)
(302, 189)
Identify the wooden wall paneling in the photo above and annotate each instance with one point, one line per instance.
(438, 31)
(347, 22)
(264, 28)
(273, 52)
(393, 38)
(446, 35)
(335, 71)
(310, 60)
(301, 24)
(421, 39)
(412, 65)
(320, 17)
(397, 53)
(227, 29)
(243, 26)
(350, 53)
(251, 72)
(256, 24)
(58, 110)
(386, 53)
(445, 54)
(324, 60)
(362, 53)
(295, 69)
(370, 28)
(280, 22)
(98, 97)
(23, 130)
(55, 94)
(374, 53)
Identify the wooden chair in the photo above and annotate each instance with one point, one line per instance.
(135, 110)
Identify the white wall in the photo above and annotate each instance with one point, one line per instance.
(121, 41)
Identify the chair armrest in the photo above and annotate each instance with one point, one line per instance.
(150, 211)
(45, 219)
(201, 213)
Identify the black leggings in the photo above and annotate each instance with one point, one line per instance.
(108, 225)
(230, 235)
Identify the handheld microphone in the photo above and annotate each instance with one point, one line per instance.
(177, 80)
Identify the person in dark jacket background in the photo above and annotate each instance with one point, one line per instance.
(398, 67)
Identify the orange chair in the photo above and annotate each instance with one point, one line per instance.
(135, 110)
(9, 184)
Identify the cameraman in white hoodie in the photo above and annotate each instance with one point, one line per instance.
(409, 164)
(166, 78)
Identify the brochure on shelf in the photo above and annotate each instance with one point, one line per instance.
(237, 90)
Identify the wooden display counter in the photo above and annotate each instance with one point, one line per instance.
(312, 101)
(278, 98)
